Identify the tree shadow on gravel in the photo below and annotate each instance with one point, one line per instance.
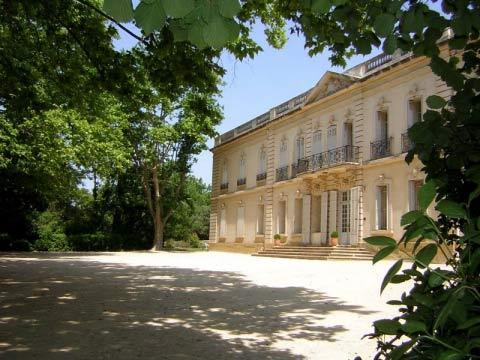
(78, 309)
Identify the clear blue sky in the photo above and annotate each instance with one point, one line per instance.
(254, 86)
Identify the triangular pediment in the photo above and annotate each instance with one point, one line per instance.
(330, 83)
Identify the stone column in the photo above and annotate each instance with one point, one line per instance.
(306, 233)
(270, 148)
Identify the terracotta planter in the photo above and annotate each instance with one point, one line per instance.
(333, 241)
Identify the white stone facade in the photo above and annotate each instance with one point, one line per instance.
(331, 159)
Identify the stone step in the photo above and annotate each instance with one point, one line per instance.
(317, 253)
(286, 256)
(293, 253)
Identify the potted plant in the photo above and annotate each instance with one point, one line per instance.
(277, 239)
(334, 238)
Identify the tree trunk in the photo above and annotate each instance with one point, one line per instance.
(157, 208)
(158, 235)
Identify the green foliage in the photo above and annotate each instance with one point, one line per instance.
(51, 232)
(202, 22)
(191, 218)
(334, 234)
(277, 237)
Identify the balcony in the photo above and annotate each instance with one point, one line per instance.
(241, 181)
(261, 177)
(407, 144)
(381, 148)
(342, 155)
(282, 173)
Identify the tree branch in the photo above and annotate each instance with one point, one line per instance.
(105, 15)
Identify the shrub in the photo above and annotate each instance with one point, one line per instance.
(50, 230)
(277, 237)
(169, 245)
(334, 234)
(194, 241)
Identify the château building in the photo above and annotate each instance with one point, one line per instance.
(330, 159)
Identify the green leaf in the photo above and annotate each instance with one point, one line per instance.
(390, 274)
(435, 279)
(410, 217)
(195, 36)
(426, 194)
(387, 326)
(120, 10)
(383, 253)
(425, 256)
(390, 44)
(178, 8)
(398, 279)
(451, 209)
(450, 355)
(220, 31)
(447, 308)
(414, 326)
(398, 351)
(150, 16)
(394, 302)
(436, 102)
(229, 8)
(384, 24)
(380, 241)
(469, 323)
(320, 7)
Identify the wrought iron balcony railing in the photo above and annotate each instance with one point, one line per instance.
(381, 148)
(224, 186)
(282, 173)
(261, 176)
(407, 144)
(341, 155)
(241, 181)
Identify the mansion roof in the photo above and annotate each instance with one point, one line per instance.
(330, 83)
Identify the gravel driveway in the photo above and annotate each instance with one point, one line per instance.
(206, 305)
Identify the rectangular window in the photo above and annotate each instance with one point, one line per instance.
(382, 207)
(317, 142)
(414, 187)
(240, 221)
(414, 111)
(382, 125)
(223, 222)
(260, 219)
(282, 217)
(332, 137)
(298, 220)
(316, 213)
(345, 211)
(348, 134)
(300, 149)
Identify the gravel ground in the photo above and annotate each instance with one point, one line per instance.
(203, 305)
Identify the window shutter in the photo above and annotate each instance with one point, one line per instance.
(354, 214)
(332, 221)
(223, 222)
(324, 217)
(240, 221)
